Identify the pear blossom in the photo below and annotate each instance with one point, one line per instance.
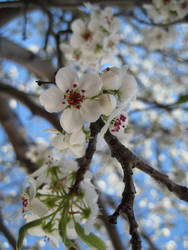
(37, 153)
(48, 196)
(108, 104)
(167, 10)
(84, 35)
(91, 197)
(108, 21)
(94, 38)
(118, 79)
(124, 84)
(157, 38)
(75, 97)
(75, 142)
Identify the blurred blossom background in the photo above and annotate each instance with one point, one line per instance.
(153, 44)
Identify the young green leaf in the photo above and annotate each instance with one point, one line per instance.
(182, 99)
(63, 224)
(23, 231)
(91, 240)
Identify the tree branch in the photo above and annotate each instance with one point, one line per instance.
(7, 233)
(34, 63)
(180, 191)
(33, 107)
(63, 4)
(13, 128)
(85, 161)
(127, 202)
(111, 229)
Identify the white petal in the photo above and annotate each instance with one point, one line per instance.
(38, 208)
(36, 231)
(78, 26)
(116, 25)
(128, 88)
(66, 48)
(91, 110)
(91, 83)
(77, 138)
(71, 120)
(107, 12)
(54, 239)
(76, 41)
(52, 99)
(78, 150)
(65, 78)
(108, 104)
(71, 233)
(111, 79)
(58, 141)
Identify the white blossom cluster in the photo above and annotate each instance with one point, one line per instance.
(49, 207)
(83, 100)
(158, 38)
(47, 199)
(94, 38)
(167, 10)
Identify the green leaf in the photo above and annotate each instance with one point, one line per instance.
(182, 99)
(63, 224)
(23, 231)
(91, 240)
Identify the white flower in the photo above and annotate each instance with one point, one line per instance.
(167, 10)
(108, 104)
(91, 197)
(126, 86)
(157, 38)
(110, 78)
(118, 79)
(84, 35)
(75, 143)
(37, 153)
(108, 21)
(74, 96)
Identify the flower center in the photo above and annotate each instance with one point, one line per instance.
(108, 69)
(24, 203)
(74, 97)
(87, 35)
(111, 44)
(77, 55)
(119, 123)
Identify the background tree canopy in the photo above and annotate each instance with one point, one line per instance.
(152, 157)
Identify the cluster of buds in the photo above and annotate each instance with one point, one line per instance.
(118, 123)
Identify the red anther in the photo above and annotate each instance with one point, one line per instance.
(78, 106)
(83, 91)
(63, 102)
(74, 85)
(67, 91)
(123, 118)
(86, 36)
(108, 69)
